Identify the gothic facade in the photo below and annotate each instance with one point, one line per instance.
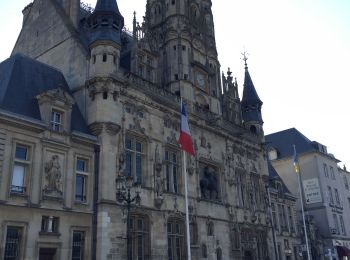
(115, 113)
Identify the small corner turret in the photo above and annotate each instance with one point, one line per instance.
(251, 104)
(106, 22)
(105, 25)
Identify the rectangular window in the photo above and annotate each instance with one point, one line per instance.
(330, 195)
(13, 243)
(337, 198)
(336, 225)
(56, 120)
(172, 171)
(346, 183)
(78, 245)
(139, 229)
(20, 168)
(325, 170)
(80, 188)
(332, 173)
(274, 216)
(81, 179)
(176, 249)
(282, 217)
(290, 218)
(134, 158)
(342, 226)
(49, 224)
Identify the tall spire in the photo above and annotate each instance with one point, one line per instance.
(251, 103)
(106, 22)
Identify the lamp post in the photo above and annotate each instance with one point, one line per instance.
(124, 185)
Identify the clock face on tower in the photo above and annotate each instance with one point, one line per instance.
(201, 81)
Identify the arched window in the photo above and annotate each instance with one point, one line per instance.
(176, 239)
(104, 57)
(140, 237)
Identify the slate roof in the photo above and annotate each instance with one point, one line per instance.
(251, 103)
(273, 175)
(22, 79)
(107, 5)
(105, 11)
(249, 92)
(283, 142)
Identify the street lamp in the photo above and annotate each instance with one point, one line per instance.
(124, 185)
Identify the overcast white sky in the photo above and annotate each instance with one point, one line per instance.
(299, 59)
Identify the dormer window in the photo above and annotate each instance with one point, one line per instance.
(55, 109)
(56, 120)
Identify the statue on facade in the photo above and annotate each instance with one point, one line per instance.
(158, 180)
(209, 184)
(53, 175)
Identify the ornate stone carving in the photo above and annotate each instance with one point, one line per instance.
(112, 129)
(53, 177)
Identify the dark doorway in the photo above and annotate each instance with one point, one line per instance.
(248, 255)
(47, 253)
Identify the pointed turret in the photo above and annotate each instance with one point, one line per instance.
(106, 22)
(251, 104)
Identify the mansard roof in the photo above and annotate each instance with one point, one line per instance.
(22, 79)
(283, 142)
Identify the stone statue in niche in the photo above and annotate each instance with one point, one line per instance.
(209, 184)
(53, 176)
(159, 181)
(122, 163)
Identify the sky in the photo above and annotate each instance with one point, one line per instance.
(299, 59)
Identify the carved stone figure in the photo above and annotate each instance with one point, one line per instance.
(209, 184)
(159, 181)
(53, 175)
(122, 163)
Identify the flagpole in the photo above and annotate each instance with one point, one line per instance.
(302, 202)
(188, 240)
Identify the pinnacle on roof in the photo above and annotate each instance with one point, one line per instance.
(107, 6)
(251, 102)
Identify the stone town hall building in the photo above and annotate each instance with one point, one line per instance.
(84, 103)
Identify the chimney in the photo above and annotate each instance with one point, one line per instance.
(72, 8)
(26, 12)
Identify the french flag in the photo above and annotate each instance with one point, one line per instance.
(185, 139)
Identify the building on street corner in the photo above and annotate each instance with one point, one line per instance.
(90, 167)
(325, 189)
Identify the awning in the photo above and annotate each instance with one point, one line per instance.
(343, 251)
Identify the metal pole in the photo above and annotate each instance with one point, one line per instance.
(188, 240)
(272, 224)
(128, 238)
(303, 215)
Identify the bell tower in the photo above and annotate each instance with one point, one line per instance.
(251, 105)
(182, 31)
